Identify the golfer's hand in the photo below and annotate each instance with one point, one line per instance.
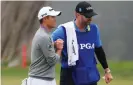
(59, 44)
(108, 77)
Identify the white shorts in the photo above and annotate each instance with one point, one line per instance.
(35, 81)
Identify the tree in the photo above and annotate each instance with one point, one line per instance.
(18, 25)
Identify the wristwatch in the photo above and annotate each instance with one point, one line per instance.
(108, 71)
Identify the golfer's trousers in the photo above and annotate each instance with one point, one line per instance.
(36, 81)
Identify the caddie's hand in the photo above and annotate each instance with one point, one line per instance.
(59, 44)
(108, 76)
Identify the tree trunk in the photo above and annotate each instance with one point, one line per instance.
(19, 23)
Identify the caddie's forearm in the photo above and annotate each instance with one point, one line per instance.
(101, 57)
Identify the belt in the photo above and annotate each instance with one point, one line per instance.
(43, 78)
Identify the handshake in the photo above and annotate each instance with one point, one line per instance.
(59, 44)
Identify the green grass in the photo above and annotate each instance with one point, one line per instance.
(122, 73)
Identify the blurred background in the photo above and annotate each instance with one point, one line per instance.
(19, 23)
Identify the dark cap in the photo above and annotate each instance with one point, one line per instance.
(84, 8)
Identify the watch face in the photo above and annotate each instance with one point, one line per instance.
(108, 71)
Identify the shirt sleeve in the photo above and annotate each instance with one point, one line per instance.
(101, 57)
(48, 50)
(58, 34)
(98, 40)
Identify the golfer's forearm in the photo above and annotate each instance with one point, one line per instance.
(52, 60)
(101, 57)
(59, 52)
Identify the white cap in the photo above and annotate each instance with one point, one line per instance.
(47, 11)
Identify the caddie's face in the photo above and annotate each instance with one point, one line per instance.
(51, 21)
(83, 20)
(86, 20)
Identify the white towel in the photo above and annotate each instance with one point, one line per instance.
(72, 44)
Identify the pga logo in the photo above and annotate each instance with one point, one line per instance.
(87, 46)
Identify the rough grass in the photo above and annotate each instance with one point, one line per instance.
(122, 73)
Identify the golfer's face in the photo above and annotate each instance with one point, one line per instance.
(51, 21)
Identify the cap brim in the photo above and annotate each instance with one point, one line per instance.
(89, 15)
(55, 13)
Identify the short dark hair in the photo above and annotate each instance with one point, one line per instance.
(41, 20)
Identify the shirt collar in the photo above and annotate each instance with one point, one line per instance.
(45, 29)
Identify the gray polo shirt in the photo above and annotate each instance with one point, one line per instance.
(43, 56)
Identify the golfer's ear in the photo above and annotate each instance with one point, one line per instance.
(44, 19)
